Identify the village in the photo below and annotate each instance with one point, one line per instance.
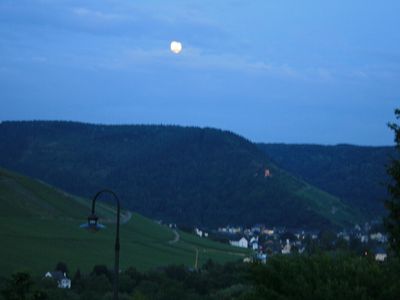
(363, 239)
(264, 242)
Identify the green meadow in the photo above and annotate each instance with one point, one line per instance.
(39, 226)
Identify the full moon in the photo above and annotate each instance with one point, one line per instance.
(176, 47)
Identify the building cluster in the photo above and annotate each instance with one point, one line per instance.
(200, 233)
(371, 236)
(63, 282)
(267, 241)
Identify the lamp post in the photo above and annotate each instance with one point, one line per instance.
(93, 225)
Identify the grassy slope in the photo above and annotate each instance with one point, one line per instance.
(39, 226)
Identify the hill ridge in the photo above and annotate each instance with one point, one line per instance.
(356, 174)
(197, 176)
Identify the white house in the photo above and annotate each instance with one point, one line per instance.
(63, 281)
(287, 248)
(254, 239)
(242, 243)
(364, 238)
(201, 233)
(254, 243)
(262, 257)
(229, 229)
(255, 246)
(198, 232)
(380, 257)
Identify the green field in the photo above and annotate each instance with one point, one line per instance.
(39, 226)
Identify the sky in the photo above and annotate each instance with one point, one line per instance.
(307, 71)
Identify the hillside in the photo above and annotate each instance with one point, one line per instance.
(178, 174)
(355, 174)
(39, 226)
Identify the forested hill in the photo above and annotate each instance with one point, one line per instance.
(356, 174)
(179, 174)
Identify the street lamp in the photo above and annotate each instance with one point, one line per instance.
(93, 225)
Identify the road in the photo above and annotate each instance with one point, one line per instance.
(176, 238)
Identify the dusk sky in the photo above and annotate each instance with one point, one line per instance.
(273, 71)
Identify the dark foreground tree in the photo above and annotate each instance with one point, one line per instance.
(18, 287)
(392, 221)
(62, 267)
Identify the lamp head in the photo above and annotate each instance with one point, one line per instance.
(92, 223)
(92, 220)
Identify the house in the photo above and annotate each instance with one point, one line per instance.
(253, 239)
(363, 238)
(268, 231)
(378, 237)
(254, 243)
(222, 229)
(235, 230)
(242, 243)
(287, 248)
(230, 229)
(380, 255)
(262, 257)
(63, 282)
(199, 232)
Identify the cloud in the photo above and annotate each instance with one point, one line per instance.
(125, 35)
(191, 58)
(97, 15)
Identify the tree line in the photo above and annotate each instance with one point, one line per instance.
(323, 276)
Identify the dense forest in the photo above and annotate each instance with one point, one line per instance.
(184, 175)
(322, 276)
(355, 174)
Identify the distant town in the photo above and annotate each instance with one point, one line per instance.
(366, 239)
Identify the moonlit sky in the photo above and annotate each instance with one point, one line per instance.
(273, 71)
